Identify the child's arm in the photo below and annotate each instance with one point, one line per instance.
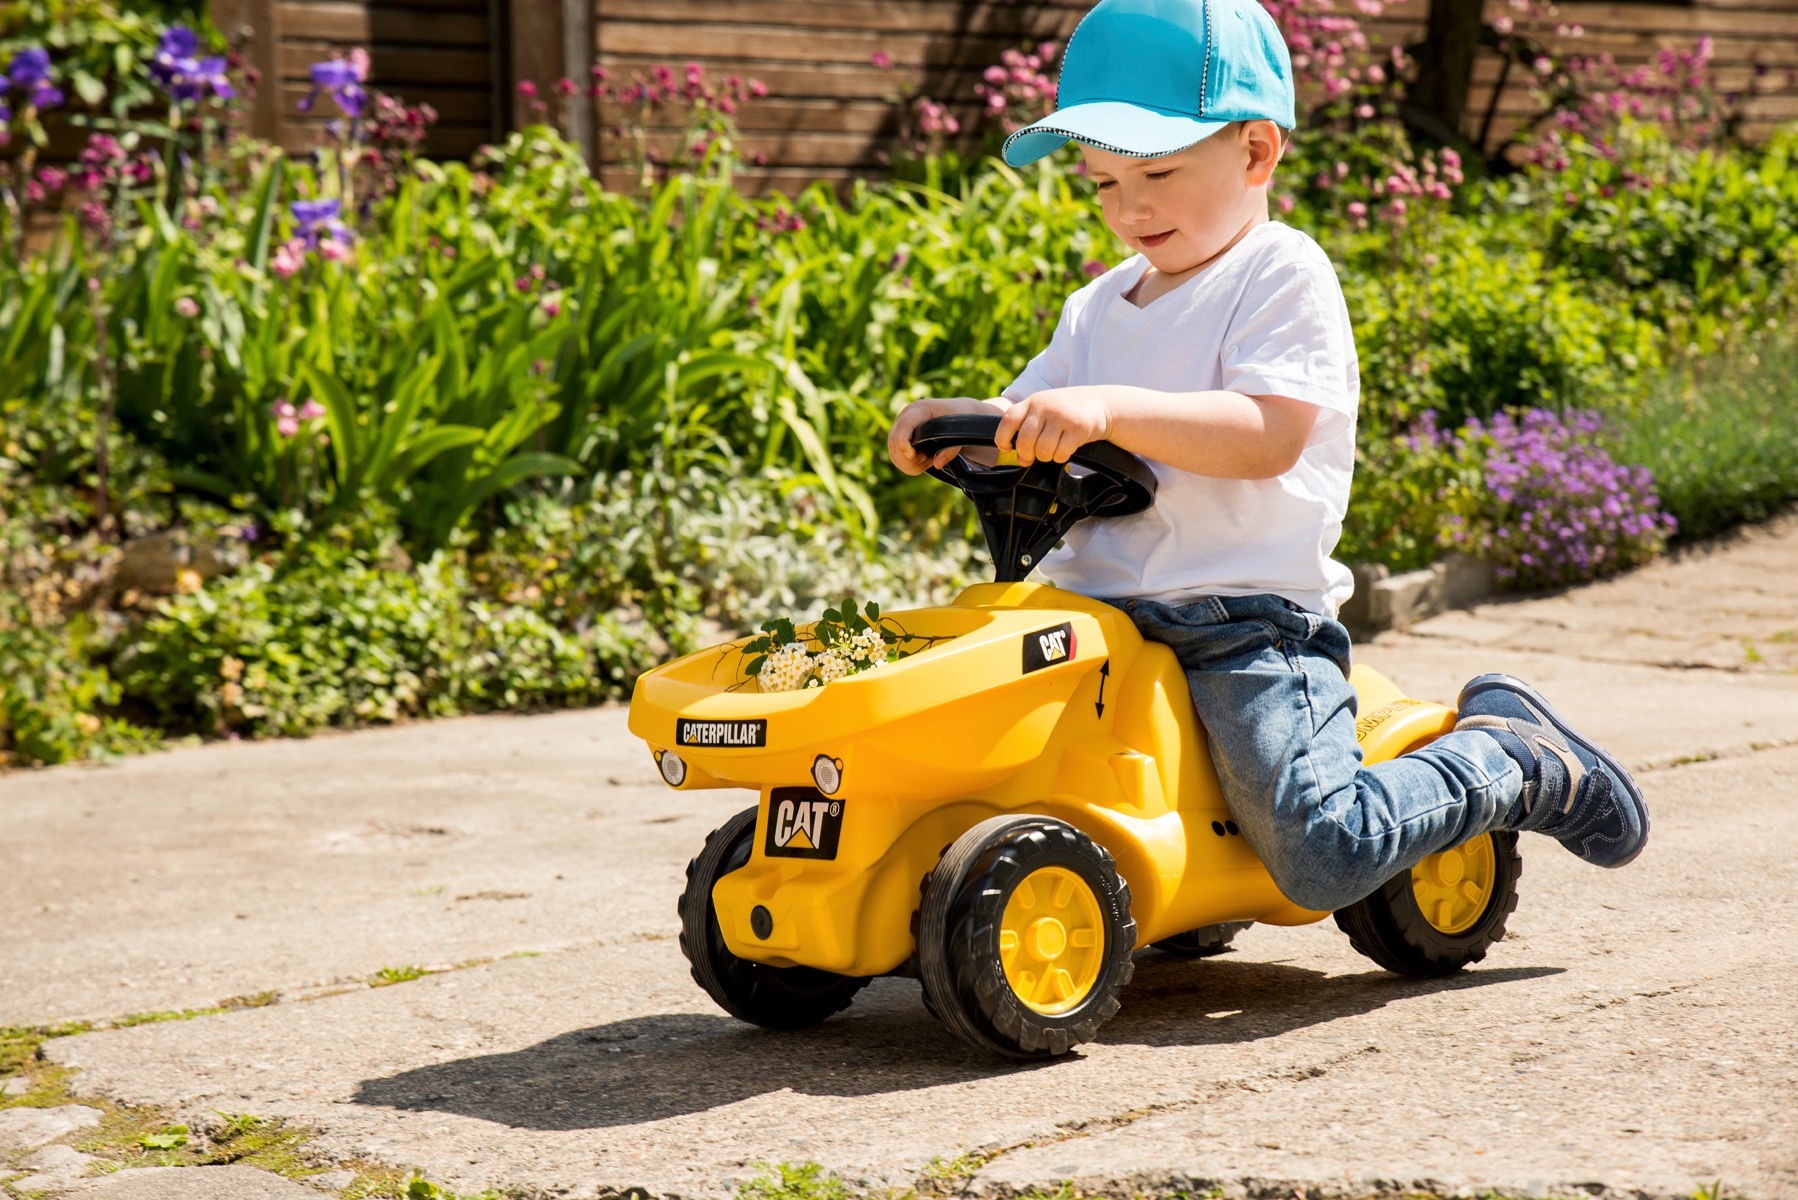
(1225, 435)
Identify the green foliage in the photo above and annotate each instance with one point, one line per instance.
(784, 1181)
(346, 631)
(1404, 489)
(1720, 438)
(101, 50)
(388, 975)
(166, 1139)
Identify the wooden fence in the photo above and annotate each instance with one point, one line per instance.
(830, 112)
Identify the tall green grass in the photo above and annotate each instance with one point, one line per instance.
(1721, 438)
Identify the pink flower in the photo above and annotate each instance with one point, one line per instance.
(1364, 111)
(1094, 268)
(287, 426)
(757, 88)
(312, 410)
(566, 86)
(1357, 209)
(1287, 203)
(527, 89)
(187, 307)
(881, 59)
(359, 63)
(334, 250)
(289, 257)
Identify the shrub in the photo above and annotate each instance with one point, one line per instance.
(1720, 438)
(1559, 509)
(345, 632)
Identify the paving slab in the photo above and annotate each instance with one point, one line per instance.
(232, 1182)
(26, 1128)
(1632, 1036)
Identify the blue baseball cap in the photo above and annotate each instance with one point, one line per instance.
(1152, 77)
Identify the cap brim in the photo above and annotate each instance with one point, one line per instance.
(1112, 125)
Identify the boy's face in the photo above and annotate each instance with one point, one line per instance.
(1180, 211)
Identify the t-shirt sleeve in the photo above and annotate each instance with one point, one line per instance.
(1053, 366)
(1291, 337)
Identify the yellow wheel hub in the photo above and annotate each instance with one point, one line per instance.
(1052, 940)
(1454, 887)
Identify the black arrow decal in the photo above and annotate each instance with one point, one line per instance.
(1104, 674)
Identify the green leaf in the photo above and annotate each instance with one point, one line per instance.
(90, 89)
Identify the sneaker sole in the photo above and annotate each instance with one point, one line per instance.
(1516, 686)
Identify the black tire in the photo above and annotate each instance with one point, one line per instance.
(772, 997)
(1202, 942)
(959, 962)
(1391, 929)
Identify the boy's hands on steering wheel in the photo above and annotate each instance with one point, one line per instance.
(1049, 426)
(905, 427)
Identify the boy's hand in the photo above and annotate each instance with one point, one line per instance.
(905, 427)
(1054, 423)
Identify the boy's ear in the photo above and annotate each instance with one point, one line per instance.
(1265, 146)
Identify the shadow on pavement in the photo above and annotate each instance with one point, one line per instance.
(1168, 1002)
(653, 1067)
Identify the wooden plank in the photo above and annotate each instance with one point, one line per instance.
(756, 181)
(1671, 18)
(862, 120)
(890, 16)
(472, 104)
(1756, 5)
(702, 41)
(779, 149)
(820, 81)
(362, 23)
(391, 65)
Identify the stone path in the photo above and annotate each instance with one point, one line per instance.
(1634, 1035)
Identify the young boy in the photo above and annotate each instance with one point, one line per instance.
(1222, 353)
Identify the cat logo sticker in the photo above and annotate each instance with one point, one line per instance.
(803, 823)
(1048, 647)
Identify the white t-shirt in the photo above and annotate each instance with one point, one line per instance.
(1267, 318)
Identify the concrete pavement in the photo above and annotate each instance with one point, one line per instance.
(1633, 1035)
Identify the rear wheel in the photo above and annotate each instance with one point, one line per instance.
(772, 997)
(1024, 937)
(1441, 914)
(1203, 942)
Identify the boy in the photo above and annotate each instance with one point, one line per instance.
(1222, 353)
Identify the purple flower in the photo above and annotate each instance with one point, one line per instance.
(341, 79)
(318, 219)
(1562, 509)
(30, 66)
(178, 70)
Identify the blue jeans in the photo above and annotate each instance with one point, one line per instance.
(1270, 682)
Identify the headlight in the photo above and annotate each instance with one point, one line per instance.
(674, 770)
(827, 773)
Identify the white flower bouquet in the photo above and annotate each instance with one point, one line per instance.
(844, 642)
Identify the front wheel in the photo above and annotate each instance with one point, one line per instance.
(772, 997)
(1443, 913)
(1024, 937)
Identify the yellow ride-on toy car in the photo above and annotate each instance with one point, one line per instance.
(1011, 811)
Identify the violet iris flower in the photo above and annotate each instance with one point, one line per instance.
(178, 70)
(31, 69)
(342, 79)
(318, 219)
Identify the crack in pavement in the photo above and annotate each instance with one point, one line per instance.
(1085, 1127)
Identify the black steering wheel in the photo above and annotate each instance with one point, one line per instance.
(1026, 510)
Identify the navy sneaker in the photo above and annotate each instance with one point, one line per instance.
(1572, 791)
